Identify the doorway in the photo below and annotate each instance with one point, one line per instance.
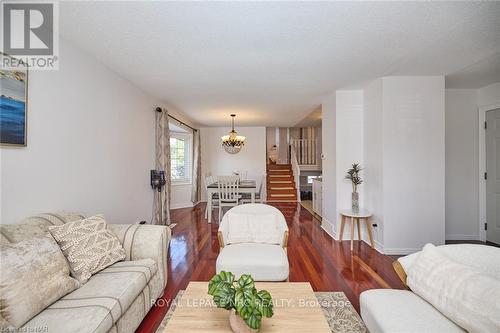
(492, 176)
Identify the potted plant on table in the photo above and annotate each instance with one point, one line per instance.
(353, 174)
(248, 306)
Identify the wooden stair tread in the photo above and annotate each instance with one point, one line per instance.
(280, 183)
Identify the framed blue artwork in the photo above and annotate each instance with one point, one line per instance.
(13, 106)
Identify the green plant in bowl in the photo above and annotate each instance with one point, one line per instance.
(241, 296)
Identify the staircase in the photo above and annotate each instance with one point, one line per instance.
(280, 183)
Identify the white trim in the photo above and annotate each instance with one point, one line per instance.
(328, 227)
(180, 182)
(461, 237)
(482, 168)
(188, 156)
(181, 205)
(400, 251)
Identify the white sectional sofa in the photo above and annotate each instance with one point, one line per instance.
(115, 299)
(403, 311)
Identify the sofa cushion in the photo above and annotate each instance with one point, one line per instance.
(264, 262)
(35, 226)
(88, 245)
(401, 311)
(253, 228)
(34, 274)
(460, 292)
(98, 304)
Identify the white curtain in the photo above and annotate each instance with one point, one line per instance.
(162, 198)
(196, 184)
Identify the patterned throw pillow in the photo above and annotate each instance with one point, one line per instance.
(33, 275)
(88, 246)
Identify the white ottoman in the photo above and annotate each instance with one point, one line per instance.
(265, 262)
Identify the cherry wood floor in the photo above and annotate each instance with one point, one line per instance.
(314, 257)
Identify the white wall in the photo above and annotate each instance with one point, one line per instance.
(90, 145)
(489, 95)
(462, 159)
(404, 156)
(373, 156)
(251, 158)
(414, 162)
(462, 169)
(349, 147)
(329, 164)
(181, 196)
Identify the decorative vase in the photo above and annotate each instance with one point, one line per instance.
(355, 202)
(238, 325)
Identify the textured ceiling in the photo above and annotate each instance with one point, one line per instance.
(273, 62)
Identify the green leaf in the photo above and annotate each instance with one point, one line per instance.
(264, 303)
(245, 293)
(224, 296)
(252, 316)
(219, 280)
(246, 282)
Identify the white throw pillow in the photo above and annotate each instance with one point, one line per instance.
(88, 246)
(461, 293)
(483, 258)
(33, 275)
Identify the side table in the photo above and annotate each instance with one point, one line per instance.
(363, 214)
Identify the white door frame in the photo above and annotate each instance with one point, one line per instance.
(482, 167)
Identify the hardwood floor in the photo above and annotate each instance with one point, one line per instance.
(314, 257)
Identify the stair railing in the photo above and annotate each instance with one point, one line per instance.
(296, 172)
(306, 151)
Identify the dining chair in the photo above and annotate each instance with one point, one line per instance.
(229, 192)
(242, 174)
(215, 197)
(259, 195)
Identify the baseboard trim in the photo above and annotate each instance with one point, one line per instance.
(379, 246)
(400, 251)
(181, 205)
(327, 226)
(461, 237)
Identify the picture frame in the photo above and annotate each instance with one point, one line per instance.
(13, 105)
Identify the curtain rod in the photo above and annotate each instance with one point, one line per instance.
(158, 109)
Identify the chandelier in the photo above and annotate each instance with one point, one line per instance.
(232, 143)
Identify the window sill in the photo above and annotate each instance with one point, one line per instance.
(181, 182)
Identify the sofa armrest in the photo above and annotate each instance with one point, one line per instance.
(398, 268)
(145, 241)
(284, 243)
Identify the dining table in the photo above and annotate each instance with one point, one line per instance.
(246, 186)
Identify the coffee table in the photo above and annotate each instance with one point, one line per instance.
(296, 309)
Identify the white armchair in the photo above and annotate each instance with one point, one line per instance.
(253, 239)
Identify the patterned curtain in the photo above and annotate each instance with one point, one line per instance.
(196, 184)
(162, 199)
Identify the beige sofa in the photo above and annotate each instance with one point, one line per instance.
(115, 299)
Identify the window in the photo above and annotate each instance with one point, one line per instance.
(180, 158)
